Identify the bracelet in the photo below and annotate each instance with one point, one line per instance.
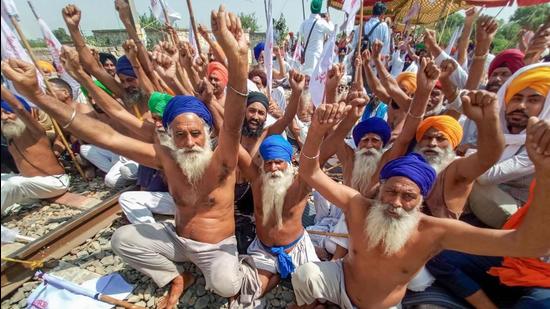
(70, 120)
(242, 94)
(311, 158)
(482, 57)
(413, 116)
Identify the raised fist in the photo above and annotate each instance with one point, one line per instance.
(297, 80)
(71, 15)
(377, 49)
(130, 49)
(480, 105)
(448, 66)
(427, 76)
(70, 61)
(205, 91)
(23, 76)
(229, 34)
(538, 144)
(486, 28)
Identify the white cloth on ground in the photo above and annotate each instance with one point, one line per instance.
(17, 188)
(326, 218)
(119, 169)
(139, 206)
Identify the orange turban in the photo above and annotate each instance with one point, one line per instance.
(407, 80)
(447, 125)
(217, 69)
(537, 79)
(45, 66)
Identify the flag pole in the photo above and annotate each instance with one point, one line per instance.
(167, 21)
(194, 25)
(56, 127)
(359, 71)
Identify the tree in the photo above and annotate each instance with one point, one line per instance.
(62, 35)
(281, 29)
(150, 21)
(531, 17)
(249, 21)
(454, 21)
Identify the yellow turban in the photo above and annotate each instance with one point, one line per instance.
(407, 80)
(537, 79)
(447, 125)
(45, 66)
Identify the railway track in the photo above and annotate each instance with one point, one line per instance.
(59, 242)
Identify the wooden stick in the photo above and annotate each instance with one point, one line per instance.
(194, 26)
(448, 7)
(167, 22)
(117, 302)
(359, 71)
(341, 235)
(136, 111)
(56, 127)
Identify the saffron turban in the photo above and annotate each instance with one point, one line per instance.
(7, 107)
(103, 57)
(181, 104)
(537, 79)
(123, 66)
(510, 58)
(276, 147)
(407, 80)
(158, 101)
(258, 49)
(45, 66)
(217, 69)
(255, 96)
(447, 125)
(413, 167)
(374, 125)
(316, 6)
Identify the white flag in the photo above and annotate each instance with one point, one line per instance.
(9, 9)
(156, 7)
(268, 50)
(319, 76)
(350, 7)
(453, 40)
(413, 12)
(192, 40)
(54, 47)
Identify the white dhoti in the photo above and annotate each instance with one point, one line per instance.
(120, 170)
(326, 217)
(302, 252)
(155, 250)
(16, 188)
(139, 206)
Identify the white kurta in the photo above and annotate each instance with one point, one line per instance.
(316, 42)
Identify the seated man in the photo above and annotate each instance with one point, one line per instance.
(40, 174)
(280, 197)
(390, 240)
(505, 186)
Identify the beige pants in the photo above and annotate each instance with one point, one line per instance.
(491, 205)
(155, 249)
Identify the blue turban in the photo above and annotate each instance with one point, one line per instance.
(372, 125)
(276, 147)
(258, 49)
(123, 66)
(185, 104)
(7, 107)
(411, 166)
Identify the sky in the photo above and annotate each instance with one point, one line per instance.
(101, 14)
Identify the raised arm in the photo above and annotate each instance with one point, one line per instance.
(531, 238)
(229, 34)
(538, 45)
(71, 15)
(217, 51)
(482, 107)
(23, 76)
(206, 95)
(247, 167)
(32, 124)
(486, 29)
(372, 80)
(462, 43)
(297, 83)
(398, 96)
(281, 61)
(324, 118)
(130, 49)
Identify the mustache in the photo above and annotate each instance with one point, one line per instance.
(518, 111)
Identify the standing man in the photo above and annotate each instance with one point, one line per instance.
(314, 31)
(377, 29)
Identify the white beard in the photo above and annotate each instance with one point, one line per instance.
(193, 162)
(389, 232)
(436, 110)
(13, 128)
(364, 167)
(441, 160)
(274, 188)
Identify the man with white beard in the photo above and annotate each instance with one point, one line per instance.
(203, 192)
(437, 138)
(40, 174)
(390, 240)
(280, 197)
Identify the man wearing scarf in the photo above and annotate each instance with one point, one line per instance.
(390, 239)
(505, 186)
(280, 196)
(201, 180)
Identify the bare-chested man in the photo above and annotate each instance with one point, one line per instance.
(390, 240)
(201, 180)
(40, 174)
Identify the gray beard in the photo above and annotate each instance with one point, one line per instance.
(439, 162)
(389, 232)
(273, 194)
(364, 166)
(134, 98)
(12, 129)
(193, 162)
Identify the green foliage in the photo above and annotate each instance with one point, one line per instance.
(531, 17)
(37, 43)
(62, 35)
(249, 21)
(149, 21)
(281, 29)
(507, 36)
(454, 21)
